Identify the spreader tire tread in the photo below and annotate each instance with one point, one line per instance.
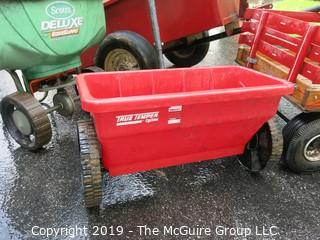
(90, 155)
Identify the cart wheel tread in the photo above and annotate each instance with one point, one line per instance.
(265, 145)
(36, 116)
(297, 122)
(288, 132)
(277, 140)
(90, 155)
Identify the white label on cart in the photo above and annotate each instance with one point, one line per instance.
(137, 118)
(174, 121)
(175, 108)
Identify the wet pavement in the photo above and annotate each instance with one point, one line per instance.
(43, 190)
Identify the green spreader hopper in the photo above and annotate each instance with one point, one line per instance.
(44, 39)
(47, 37)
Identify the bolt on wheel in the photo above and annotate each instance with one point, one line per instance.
(120, 60)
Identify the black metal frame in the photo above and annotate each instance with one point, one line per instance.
(214, 37)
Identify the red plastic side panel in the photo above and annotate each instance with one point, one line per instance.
(153, 119)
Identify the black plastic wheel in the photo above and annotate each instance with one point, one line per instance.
(90, 155)
(189, 56)
(26, 120)
(303, 149)
(125, 50)
(265, 145)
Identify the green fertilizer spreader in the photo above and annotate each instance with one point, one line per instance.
(44, 39)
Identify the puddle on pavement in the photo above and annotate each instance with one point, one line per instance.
(8, 177)
(123, 189)
(133, 187)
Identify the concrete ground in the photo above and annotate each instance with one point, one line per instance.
(42, 191)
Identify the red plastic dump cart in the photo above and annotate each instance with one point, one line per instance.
(287, 45)
(152, 119)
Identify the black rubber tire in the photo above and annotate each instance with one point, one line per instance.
(90, 155)
(189, 56)
(264, 146)
(296, 123)
(292, 127)
(37, 117)
(138, 46)
(295, 157)
(289, 129)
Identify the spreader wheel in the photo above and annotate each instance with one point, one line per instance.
(303, 148)
(91, 164)
(266, 144)
(26, 120)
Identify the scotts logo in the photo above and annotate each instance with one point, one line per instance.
(60, 10)
(63, 21)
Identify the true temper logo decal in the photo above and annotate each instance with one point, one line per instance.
(63, 21)
(137, 118)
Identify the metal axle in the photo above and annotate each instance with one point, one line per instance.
(59, 106)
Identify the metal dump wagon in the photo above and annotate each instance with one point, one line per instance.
(140, 31)
(152, 119)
